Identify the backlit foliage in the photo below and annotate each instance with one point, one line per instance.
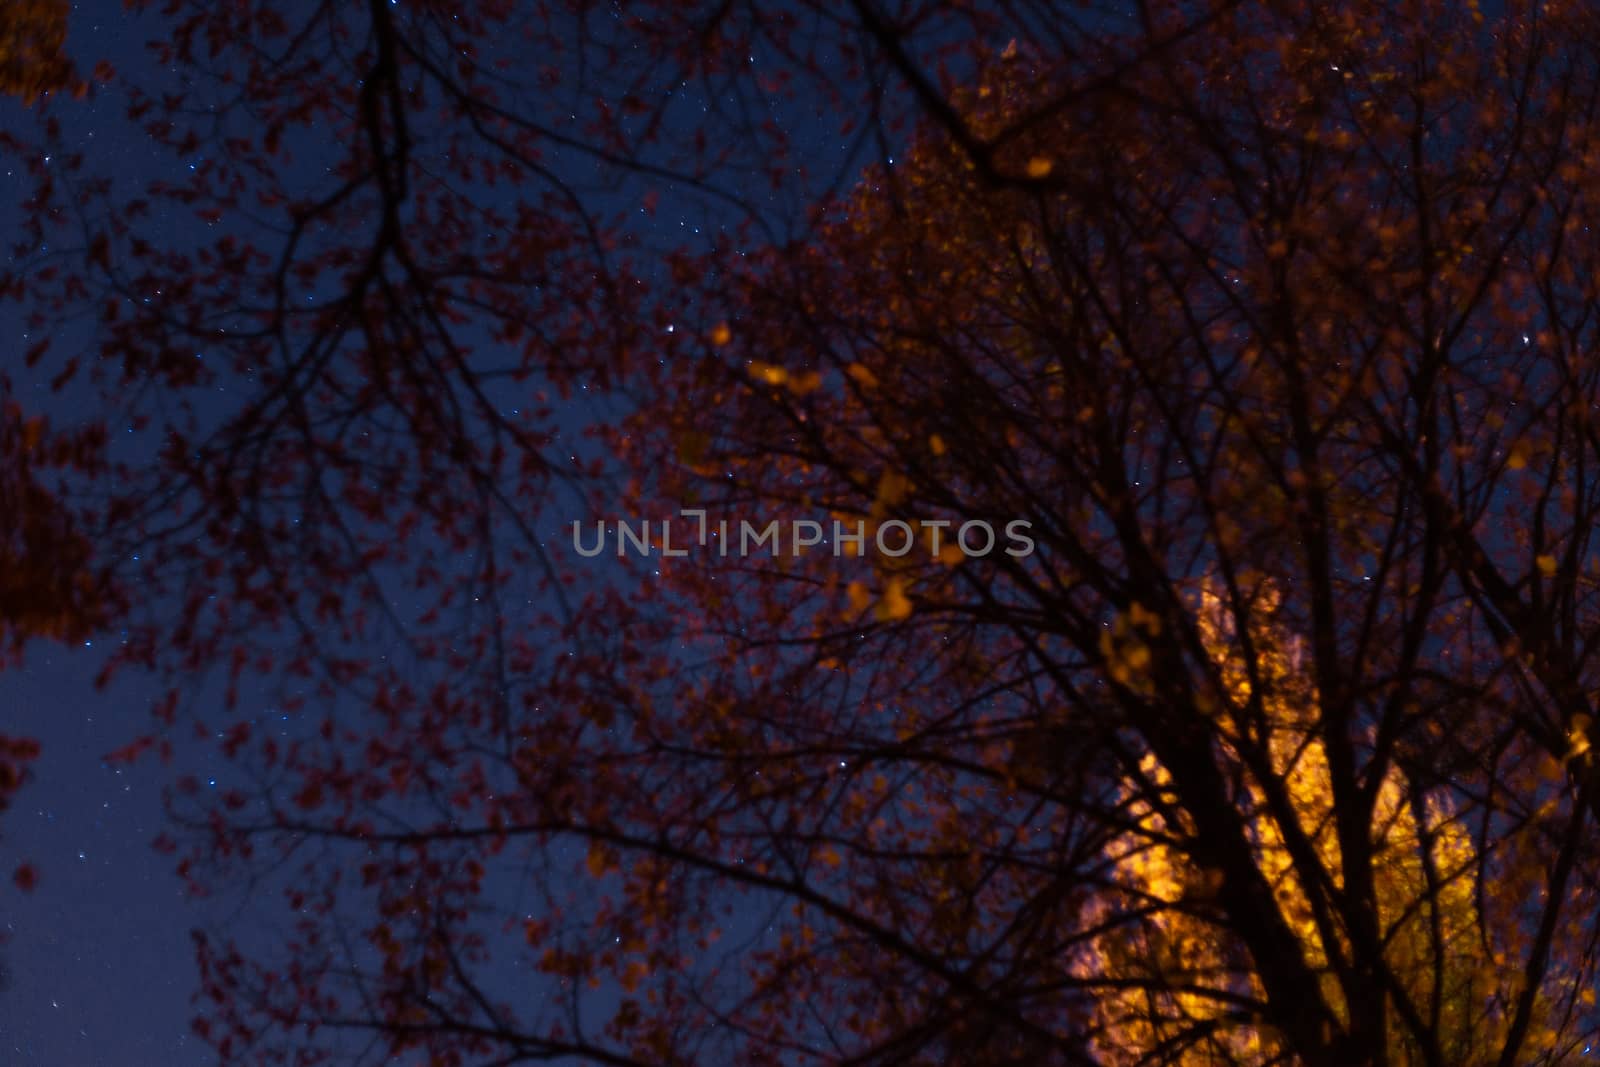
(1185, 994)
(1274, 321)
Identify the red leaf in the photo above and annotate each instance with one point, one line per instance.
(129, 752)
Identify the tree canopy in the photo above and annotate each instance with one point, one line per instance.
(1269, 328)
(46, 585)
(33, 35)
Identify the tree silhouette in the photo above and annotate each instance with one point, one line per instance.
(1260, 320)
(48, 588)
(1272, 326)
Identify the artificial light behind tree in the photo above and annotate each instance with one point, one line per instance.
(1301, 310)
(1185, 1001)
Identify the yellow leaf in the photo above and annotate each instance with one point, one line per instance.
(937, 444)
(859, 597)
(862, 376)
(1039, 167)
(599, 859)
(632, 975)
(721, 334)
(1578, 736)
(895, 604)
(804, 382)
(769, 373)
(892, 488)
(1546, 564)
(1144, 619)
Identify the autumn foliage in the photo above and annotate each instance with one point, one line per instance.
(48, 588)
(33, 35)
(1273, 322)
(47, 584)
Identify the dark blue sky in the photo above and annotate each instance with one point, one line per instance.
(100, 961)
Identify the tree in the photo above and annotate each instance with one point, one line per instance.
(1223, 322)
(46, 584)
(1427, 885)
(51, 585)
(1271, 325)
(33, 35)
(47, 588)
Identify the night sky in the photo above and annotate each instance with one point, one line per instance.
(99, 962)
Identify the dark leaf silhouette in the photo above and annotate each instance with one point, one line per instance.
(1177, 641)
